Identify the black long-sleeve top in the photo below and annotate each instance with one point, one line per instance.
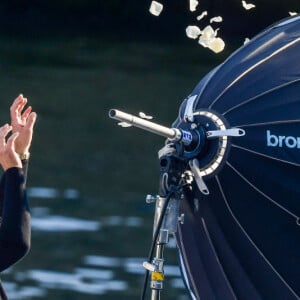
(15, 232)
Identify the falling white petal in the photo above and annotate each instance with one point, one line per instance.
(193, 32)
(156, 8)
(202, 15)
(124, 124)
(144, 116)
(247, 5)
(203, 42)
(193, 5)
(216, 19)
(292, 13)
(208, 33)
(209, 40)
(216, 45)
(247, 40)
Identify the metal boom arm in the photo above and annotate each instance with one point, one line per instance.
(173, 134)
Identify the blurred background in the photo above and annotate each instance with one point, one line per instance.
(88, 177)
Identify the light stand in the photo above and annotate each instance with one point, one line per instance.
(166, 217)
(195, 149)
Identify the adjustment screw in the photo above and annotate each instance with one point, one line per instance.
(151, 198)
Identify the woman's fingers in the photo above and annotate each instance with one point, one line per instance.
(4, 130)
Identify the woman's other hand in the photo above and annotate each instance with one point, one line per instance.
(8, 156)
(22, 121)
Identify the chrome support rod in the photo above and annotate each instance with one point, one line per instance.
(172, 134)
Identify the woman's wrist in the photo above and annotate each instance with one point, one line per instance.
(24, 156)
(12, 165)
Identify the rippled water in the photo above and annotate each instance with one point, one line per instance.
(95, 274)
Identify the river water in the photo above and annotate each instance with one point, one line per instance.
(88, 177)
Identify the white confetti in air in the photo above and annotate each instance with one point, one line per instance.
(216, 45)
(207, 37)
(155, 8)
(144, 116)
(292, 13)
(124, 124)
(202, 15)
(247, 5)
(218, 19)
(193, 32)
(247, 40)
(208, 33)
(209, 40)
(193, 5)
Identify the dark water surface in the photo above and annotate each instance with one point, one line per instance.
(89, 177)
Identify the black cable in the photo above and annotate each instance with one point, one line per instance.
(155, 237)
